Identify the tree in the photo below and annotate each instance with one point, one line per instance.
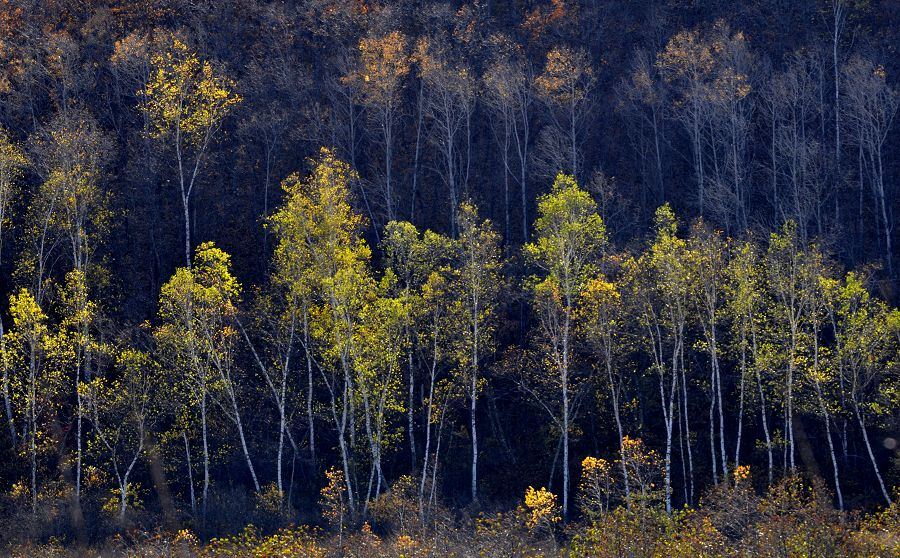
(705, 257)
(797, 162)
(658, 286)
(867, 342)
(785, 259)
(318, 222)
(732, 112)
(435, 340)
(565, 86)
(186, 102)
(816, 285)
(644, 96)
(383, 66)
(687, 63)
(745, 299)
(122, 412)
(509, 94)
(380, 347)
(419, 263)
(282, 317)
(450, 103)
(36, 356)
(475, 283)
(72, 155)
(870, 108)
(12, 161)
(602, 322)
(197, 338)
(412, 257)
(569, 238)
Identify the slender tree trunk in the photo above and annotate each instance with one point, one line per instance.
(834, 463)
(278, 465)
(712, 426)
(415, 177)
(740, 425)
(564, 380)
(425, 456)
(240, 428)
(790, 400)
(668, 417)
(187, 232)
(765, 425)
(187, 454)
(7, 404)
(78, 433)
(687, 426)
(617, 414)
(721, 407)
(32, 403)
(310, 418)
(205, 453)
(410, 414)
(865, 433)
(472, 409)
(388, 164)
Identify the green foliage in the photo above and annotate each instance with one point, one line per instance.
(569, 237)
(475, 283)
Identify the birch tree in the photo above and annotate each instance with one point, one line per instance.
(122, 411)
(384, 64)
(784, 265)
(12, 162)
(509, 93)
(705, 257)
(186, 102)
(602, 322)
(569, 239)
(318, 223)
(659, 291)
(475, 281)
(450, 89)
(867, 343)
(870, 108)
(745, 299)
(36, 356)
(565, 86)
(72, 153)
(820, 368)
(197, 338)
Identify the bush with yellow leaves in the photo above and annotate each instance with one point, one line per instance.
(297, 542)
(879, 533)
(645, 470)
(332, 499)
(637, 532)
(542, 508)
(596, 488)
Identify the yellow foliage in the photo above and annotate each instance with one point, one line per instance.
(332, 498)
(596, 486)
(185, 97)
(741, 474)
(543, 509)
(567, 77)
(299, 542)
(384, 63)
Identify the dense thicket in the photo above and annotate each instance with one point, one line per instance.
(328, 260)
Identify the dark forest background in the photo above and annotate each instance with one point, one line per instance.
(746, 119)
